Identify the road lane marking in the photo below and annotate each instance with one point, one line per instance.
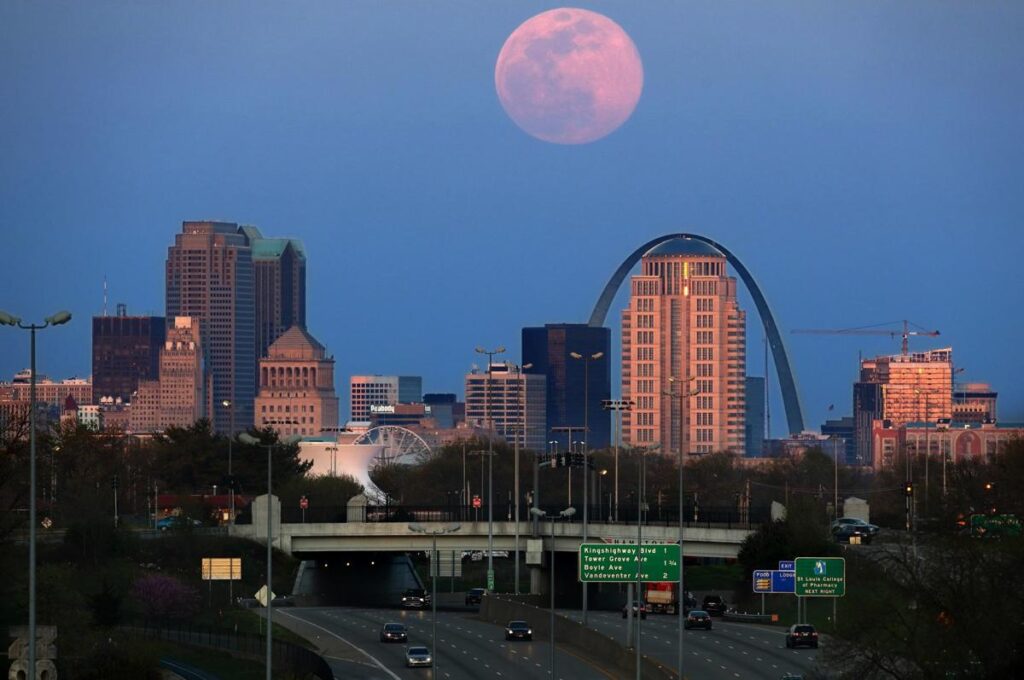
(368, 655)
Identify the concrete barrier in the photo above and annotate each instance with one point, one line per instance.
(737, 617)
(591, 645)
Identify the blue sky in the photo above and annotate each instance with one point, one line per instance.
(864, 159)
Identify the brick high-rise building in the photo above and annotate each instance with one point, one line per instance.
(279, 274)
(297, 386)
(125, 351)
(510, 403)
(902, 388)
(683, 322)
(209, 276)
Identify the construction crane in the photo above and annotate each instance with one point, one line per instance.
(875, 330)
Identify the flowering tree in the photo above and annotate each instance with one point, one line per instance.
(165, 597)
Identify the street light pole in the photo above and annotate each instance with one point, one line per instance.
(434, 569)
(57, 319)
(490, 518)
(522, 417)
(586, 451)
(253, 441)
(227, 403)
(617, 405)
(564, 514)
(490, 448)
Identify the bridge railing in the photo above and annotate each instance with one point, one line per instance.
(655, 515)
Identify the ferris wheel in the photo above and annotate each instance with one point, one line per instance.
(397, 445)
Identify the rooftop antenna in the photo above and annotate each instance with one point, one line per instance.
(104, 295)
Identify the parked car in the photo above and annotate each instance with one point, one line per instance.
(518, 630)
(713, 605)
(638, 608)
(418, 657)
(394, 632)
(697, 618)
(851, 533)
(475, 595)
(855, 522)
(801, 634)
(415, 598)
(177, 522)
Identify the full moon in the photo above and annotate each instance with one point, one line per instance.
(569, 76)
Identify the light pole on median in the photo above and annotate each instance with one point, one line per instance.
(231, 480)
(490, 516)
(57, 319)
(247, 438)
(685, 394)
(586, 359)
(522, 420)
(490, 448)
(617, 405)
(420, 529)
(564, 514)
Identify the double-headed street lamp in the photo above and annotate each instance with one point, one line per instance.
(434, 569)
(57, 319)
(490, 448)
(564, 514)
(617, 405)
(683, 395)
(247, 438)
(522, 430)
(586, 359)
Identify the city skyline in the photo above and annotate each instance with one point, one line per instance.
(875, 183)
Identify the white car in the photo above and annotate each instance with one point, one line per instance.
(418, 657)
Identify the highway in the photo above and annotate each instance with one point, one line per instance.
(727, 652)
(469, 648)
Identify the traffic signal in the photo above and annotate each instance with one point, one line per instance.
(908, 489)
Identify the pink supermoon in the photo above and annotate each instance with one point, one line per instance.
(569, 76)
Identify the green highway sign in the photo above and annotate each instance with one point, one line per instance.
(820, 576)
(609, 562)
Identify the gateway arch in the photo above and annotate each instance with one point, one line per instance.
(787, 381)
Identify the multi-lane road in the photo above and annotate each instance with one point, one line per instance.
(727, 651)
(469, 648)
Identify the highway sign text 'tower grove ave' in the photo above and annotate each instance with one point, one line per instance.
(610, 563)
(820, 577)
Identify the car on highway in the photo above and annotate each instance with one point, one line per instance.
(518, 630)
(177, 522)
(638, 607)
(851, 533)
(869, 528)
(713, 605)
(415, 598)
(475, 595)
(801, 634)
(394, 632)
(418, 657)
(697, 618)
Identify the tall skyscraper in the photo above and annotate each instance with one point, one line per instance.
(548, 350)
(279, 272)
(510, 402)
(125, 351)
(182, 379)
(901, 389)
(754, 418)
(683, 322)
(382, 390)
(209, 276)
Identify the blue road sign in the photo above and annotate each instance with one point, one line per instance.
(787, 565)
(762, 581)
(783, 581)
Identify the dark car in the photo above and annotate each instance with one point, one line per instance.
(851, 533)
(394, 632)
(714, 605)
(801, 634)
(518, 630)
(697, 618)
(415, 598)
(638, 608)
(177, 522)
(855, 522)
(475, 595)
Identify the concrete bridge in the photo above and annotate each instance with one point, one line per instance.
(306, 539)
